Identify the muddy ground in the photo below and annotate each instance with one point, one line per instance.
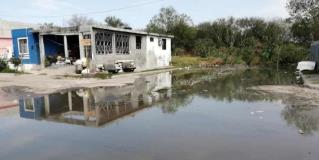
(292, 94)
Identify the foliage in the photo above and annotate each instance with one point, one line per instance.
(45, 26)
(15, 61)
(4, 68)
(252, 41)
(78, 20)
(169, 21)
(185, 61)
(8, 70)
(103, 75)
(3, 65)
(305, 19)
(115, 22)
(166, 20)
(291, 53)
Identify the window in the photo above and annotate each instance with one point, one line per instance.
(152, 39)
(164, 44)
(122, 44)
(23, 48)
(138, 42)
(103, 43)
(29, 105)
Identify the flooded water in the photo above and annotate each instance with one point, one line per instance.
(182, 115)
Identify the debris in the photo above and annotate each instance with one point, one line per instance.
(252, 113)
(260, 111)
(301, 132)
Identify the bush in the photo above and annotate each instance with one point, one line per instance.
(3, 64)
(290, 53)
(103, 75)
(15, 61)
(185, 61)
(179, 51)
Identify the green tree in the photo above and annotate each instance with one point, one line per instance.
(305, 19)
(166, 20)
(115, 22)
(169, 21)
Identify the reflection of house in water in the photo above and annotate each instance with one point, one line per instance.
(98, 106)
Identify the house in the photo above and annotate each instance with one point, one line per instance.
(6, 37)
(100, 45)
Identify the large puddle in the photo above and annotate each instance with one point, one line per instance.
(187, 115)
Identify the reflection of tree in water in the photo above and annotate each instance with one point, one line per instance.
(222, 86)
(304, 117)
(177, 101)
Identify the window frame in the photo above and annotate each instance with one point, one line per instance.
(27, 54)
(152, 39)
(164, 44)
(25, 106)
(122, 47)
(138, 45)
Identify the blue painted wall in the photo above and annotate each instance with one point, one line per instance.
(38, 112)
(33, 44)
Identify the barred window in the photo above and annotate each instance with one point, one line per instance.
(103, 43)
(122, 44)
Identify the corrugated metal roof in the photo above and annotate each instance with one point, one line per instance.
(7, 26)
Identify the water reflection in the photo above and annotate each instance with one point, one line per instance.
(223, 86)
(301, 115)
(170, 91)
(98, 106)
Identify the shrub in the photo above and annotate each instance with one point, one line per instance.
(185, 61)
(290, 53)
(103, 75)
(15, 61)
(179, 51)
(3, 65)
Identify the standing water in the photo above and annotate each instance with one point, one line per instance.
(179, 115)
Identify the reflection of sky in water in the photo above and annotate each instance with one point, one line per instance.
(201, 117)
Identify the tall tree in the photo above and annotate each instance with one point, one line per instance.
(169, 21)
(115, 22)
(166, 20)
(305, 19)
(78, 20)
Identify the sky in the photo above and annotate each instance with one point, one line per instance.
(137, 13)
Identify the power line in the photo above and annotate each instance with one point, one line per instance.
(91, 13)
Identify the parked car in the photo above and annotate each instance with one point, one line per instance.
(128, 66)
(116, 68)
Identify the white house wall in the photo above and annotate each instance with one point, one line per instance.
(138, 55)
(156, 56)
(150, 56)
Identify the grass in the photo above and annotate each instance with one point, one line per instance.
(103, 75)
(186, 61)
(7, 70)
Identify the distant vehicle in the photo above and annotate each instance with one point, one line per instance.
(306, 66)
(128, 66)
(116, 68)
(121, 65)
